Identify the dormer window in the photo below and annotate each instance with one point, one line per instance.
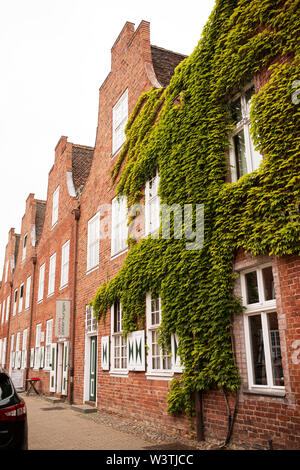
(119, 118)
(243, 157)
(55, 202)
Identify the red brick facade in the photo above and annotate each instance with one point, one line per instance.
(83, 177)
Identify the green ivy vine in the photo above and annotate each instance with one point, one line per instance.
(183, 130)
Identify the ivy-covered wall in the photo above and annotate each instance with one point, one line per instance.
(183, 131)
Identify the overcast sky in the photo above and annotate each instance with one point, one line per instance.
(54, 55)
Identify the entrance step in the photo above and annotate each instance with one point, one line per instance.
(84, 408)
(54, 399)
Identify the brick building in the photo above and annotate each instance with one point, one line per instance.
(76, 240)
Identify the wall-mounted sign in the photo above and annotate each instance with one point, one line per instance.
(62, 319)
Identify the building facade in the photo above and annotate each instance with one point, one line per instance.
(77, 241)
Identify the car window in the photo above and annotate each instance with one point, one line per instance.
(6, 389)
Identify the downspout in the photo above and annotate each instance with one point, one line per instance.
(76, 213)
(8, 324)
(34, 259)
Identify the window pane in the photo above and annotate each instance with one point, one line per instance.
(258, 353)
(252, 288)
(268, 283)
(236, 110)
(275, 350)
(240, 154)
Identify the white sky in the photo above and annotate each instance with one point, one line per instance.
(54, 55)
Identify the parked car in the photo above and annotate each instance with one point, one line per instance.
(13, 416)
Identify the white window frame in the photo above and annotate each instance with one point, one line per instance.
(24, 349)
(21, 297)
(25, 240)
(118, 336)
(262, 308)
(15, 302)
(49, 336)
(152, 206)
(65, 258)
(27, 293)
(51, 280)
(55, 206)
(41, 283)
(2, 311)
(253, 157)
(6, 271)
(119, 120)
(90, 321)
(119, 228)
(93, 241)
(151, 327)
(7, 308)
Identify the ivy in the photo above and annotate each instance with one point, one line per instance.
(183, 130)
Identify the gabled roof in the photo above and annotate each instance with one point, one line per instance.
(164, 62)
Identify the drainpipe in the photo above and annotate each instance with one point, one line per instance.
(199, 415)
(34, 259)
(8, 326)
(76, 213)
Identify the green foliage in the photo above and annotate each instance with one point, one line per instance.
(188, 142)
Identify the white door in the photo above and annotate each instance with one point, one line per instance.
(60, 348)
(65, 368)
(53, 367)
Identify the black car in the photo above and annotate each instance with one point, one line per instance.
(13, 416)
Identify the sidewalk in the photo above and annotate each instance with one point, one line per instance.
(59, 427)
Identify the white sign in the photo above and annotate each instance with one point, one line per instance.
(62, 319)
(17, 377)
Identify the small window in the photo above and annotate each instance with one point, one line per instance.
(119, 344)
(15, 302)
(41, 283)
(119, 118)
(243, 157)
(119, 231)
(55, 203)
(65, 254)
(27, 293)
(152, 206)
(21, 298)
(51, 282)
(93, 242)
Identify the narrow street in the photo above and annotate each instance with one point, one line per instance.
(57, 426)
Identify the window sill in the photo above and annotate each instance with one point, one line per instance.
(64, 286)
(115, 153)
(119, 253)
(92, 269)
(119, 373)
(160, 376)
(54, 225)
(265, 392)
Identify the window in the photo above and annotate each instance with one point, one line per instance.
(6, 270)
(93, 242)
(65, 253)
(24, 247)
(41, 283)
(2, 309)
(119, 230)
(55, 202)
(120, 116)
(37, 346)
(7, 307)
(51, 281)
(15, 302)
(21, 298)
(118, 344)
(243, 157)
(27, 293)
(159, 360)
(90, 320)
(152, 206)
(49, 332)
(262, 337)
(24, 350)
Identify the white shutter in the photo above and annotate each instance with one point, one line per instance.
(105, 352)
(42, 355)
(65, 368)
(177, 367)
(53, 367)
(27, 293)
(136, 350)
(36, 358)
(31, 357)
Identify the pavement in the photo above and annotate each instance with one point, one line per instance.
(57, 426)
